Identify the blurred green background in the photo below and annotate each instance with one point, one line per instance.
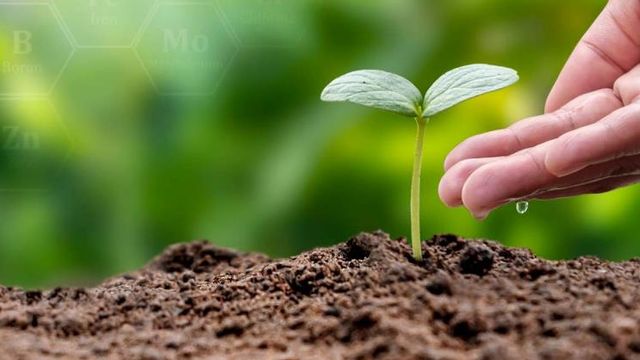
(132, 125)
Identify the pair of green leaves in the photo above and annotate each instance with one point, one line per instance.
(391, 92)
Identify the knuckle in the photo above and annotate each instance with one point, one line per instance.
(566, 115)
(627, 87)
(516, 139)
(566, 142)
(608, 96)
(536, 161)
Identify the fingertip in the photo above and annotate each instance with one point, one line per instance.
(482, 215)
(463, 151)
(487, 188)
(447, 191)
(555, 102)
(452, 159)
(468, 149)
(476, 192)
(447, 164)
(452, 182)
(550, 107)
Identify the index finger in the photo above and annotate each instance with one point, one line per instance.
(530, 132)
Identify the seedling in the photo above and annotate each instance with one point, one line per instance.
(391, 92)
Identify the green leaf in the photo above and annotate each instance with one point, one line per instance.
(465, 83)
(377, 89)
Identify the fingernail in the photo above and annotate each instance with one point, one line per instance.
(481, 214)
(453, 204)
(561, 170)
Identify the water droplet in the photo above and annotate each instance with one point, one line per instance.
(522, 207)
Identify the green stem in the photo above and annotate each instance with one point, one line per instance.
(416, 242)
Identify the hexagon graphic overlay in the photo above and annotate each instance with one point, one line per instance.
(268, 23)
(187, 48)
(104, 23)
(34, 144)
(33, 49)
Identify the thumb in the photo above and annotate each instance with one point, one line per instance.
(610, 48)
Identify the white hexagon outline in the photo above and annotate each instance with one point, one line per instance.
(69, 41)
(76, 43)
(67, 134)
(227, 27)
(243, 43)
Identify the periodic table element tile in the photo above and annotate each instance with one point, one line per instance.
(186, 48)
(34, 144)
(268, 23)
(34, 49)
(104, 23)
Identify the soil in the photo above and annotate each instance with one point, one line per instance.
(363, 299)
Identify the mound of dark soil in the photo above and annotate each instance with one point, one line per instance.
(363, 299)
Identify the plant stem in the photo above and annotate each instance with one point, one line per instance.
(416, 242)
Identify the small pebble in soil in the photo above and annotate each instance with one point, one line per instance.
(477, 259)
(439, 285)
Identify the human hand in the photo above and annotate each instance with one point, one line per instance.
(589, 145)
